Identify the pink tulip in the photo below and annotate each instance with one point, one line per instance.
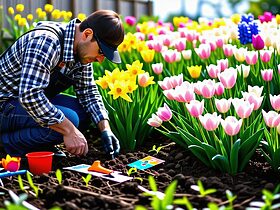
(278, 66)
(251, 57)
(265, 55)
(253, 99)
(275, 102)
(231, 125)
(190, 35)
(151, 36)
(271, 118)
(195, 107)
(203, 51)
(267, 74)
(176, 80)
(130, 20)
(219, 42)
(154, 121)
(207, 88)
(219, 89)
(165, 84)
(197, 87)
(169, 56)
(266, 17)
(157, 68)
(257, 42)
(184, 93)
(223, 105)
(228, 50)
(242, 108)
(167, 40)
(180, 44)
(210, 121)
(140, 36)
(169, 94)
(222, 64)
(212, 44)
(228, 77)
(213, 71)
(164, 113)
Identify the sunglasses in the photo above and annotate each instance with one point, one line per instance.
(100, 52)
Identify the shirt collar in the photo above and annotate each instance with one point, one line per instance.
(69, 36)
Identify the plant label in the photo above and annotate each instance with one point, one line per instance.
(146, 163)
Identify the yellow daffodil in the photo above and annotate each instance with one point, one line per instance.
(131, 39)
(178, 20)
(81, 16)
(48, 8)
(141, 45)
(148, 55)
(124, 46)
(114, 75)
(235, 18)
(38, 10)
(68, 15)
(119, 89)
(19, 7)
(29, 17)
(11, 163)
(42, 15)
(17, 17)
(131, 86)
(22, 22)
(194, 71)
(56, 14)
(277, 17)
(135, 68)
(11, 10)
(102, 82)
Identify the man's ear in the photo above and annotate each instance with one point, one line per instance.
(87, 33)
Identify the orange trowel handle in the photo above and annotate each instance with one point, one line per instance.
(98, 168)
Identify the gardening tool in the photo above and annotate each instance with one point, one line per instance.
(8, 173)
(96, 166)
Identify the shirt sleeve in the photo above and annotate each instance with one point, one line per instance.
(89, 96)
(41, 55)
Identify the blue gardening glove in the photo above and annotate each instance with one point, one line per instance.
(110, 143)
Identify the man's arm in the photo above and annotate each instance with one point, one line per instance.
(74, 140)
(103, 125)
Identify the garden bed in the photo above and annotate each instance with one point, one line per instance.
(179, 164)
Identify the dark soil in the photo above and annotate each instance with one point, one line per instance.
(179, 165)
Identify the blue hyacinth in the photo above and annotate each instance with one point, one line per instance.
(247, 28)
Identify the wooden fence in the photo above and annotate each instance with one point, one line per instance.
(135, 8)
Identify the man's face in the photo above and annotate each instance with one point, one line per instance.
(88, 51)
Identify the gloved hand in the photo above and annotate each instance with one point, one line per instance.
(110, 143)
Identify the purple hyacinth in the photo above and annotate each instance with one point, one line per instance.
(247, 28)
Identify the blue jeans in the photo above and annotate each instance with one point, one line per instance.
(20, 134)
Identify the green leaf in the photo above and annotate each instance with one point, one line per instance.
(152, 183)
(234, 156)
(222, 162)
(199, 152)
(169, 194)
(58, 176)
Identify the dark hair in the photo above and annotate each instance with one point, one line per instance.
(107, 26)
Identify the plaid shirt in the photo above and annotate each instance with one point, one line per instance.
(25, 72)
